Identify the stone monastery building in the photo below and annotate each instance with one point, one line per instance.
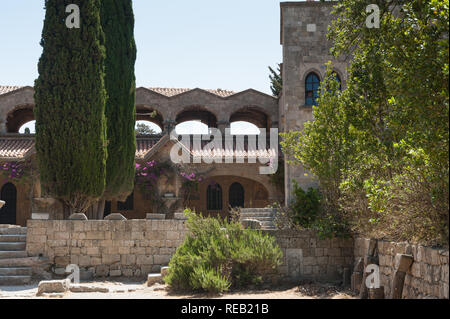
(221, 185)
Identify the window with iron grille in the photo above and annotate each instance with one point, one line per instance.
(312, 89)
(214, 197)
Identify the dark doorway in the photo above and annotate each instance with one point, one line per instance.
(8, 212)
(107, 211)
(214, 197)
(236, 195)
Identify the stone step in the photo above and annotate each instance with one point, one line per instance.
(16, 271)
(261, 219)
(12, 246)
(13, 231)
(24, 262)
(259, 210)
(14, 280)
(257, 215)
(13, 254)
(13, 238)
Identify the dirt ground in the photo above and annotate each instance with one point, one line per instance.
(121, 289)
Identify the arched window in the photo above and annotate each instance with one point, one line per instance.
(236, 195)
(338, 79)
(312, 89)
(214, 197)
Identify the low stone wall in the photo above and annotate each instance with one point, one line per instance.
(130, 248)
(427, 277)
(306, 256)
(135, 248)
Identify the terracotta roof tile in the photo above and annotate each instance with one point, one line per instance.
(163, 91)
(7, 89)
(15, 148)
(174, 91)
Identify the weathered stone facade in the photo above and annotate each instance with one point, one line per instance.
(106, 248)
(305, 49)
(307, 256)
(428, 276)
(136, 248)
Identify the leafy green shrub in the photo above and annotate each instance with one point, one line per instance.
(306, 205)
(218, 254)
(310, 211)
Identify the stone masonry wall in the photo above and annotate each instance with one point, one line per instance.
(306, 256)
(427, 277)
(135, 248)
(130, 248)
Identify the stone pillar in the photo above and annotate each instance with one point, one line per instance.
(3, 129)
(169, 125)
(222, 125)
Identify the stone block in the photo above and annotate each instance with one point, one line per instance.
(153, 279)
(78, 216)
(164, 271)
(115, 217)
(161, 259)
(403, 262)
(115, 273)
(53, 286)
(156, 216)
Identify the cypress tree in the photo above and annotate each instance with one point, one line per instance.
(70, 106)
(120, 82)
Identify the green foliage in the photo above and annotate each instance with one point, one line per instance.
(143, 129)
(118, 25)
(217, 255)
(379, 148)
(276, 81)
(70, 106)
(306, 205)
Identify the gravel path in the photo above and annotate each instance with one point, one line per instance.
(138, 290)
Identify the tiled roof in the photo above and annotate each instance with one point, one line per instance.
(173, 91)
(7, 89)
(15, 148)
(144, 145)
(169, 92)
(235, 150)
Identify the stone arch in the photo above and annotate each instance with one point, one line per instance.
(19, 116)
(144, 113)
(312, 70)
(254, 115)
(196, 112)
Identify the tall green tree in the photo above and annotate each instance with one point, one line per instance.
(387, 145)
(118, 25)
(276, 81)
(70, 106)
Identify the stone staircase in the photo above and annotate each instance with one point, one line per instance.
(265, 216)
(14, 265)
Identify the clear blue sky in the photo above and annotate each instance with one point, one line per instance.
(200, 43)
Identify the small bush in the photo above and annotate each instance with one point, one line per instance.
(306, 206)
(310, 211)
(218, 254)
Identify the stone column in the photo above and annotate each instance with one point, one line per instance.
(3, 129)
(169, 125)
(222, 125)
